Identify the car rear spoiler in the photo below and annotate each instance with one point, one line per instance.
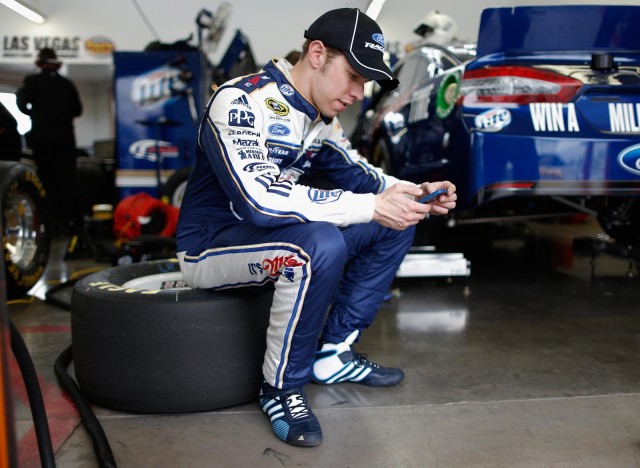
(559, 28)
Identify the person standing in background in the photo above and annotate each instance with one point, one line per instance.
(52, 102)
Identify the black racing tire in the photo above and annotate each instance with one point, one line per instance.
(173, 190)
(26, 239)
(96, 183)
(143, 343)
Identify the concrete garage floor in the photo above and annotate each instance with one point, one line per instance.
(532, 362)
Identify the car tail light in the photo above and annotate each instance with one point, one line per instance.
(514, 84)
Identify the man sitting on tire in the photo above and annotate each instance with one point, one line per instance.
(244, 219)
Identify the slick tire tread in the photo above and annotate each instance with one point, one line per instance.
(166, 351)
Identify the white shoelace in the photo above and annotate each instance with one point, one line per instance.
(297, 406)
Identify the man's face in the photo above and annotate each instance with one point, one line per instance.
(337, 86)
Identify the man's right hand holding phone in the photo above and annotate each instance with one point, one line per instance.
(399, 206)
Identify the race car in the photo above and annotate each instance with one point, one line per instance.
(543, 120)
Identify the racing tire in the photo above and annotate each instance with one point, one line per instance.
(96, 183)
(173, 190)
(143, 343)
(26, 239)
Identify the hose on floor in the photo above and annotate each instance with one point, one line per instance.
(49, 296)
(38, 412)
(101, 445)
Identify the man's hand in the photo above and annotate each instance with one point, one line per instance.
(396, 207)
(446, 201)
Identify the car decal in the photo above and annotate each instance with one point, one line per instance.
(624, 117)
(420, 101)
(550, 117)
(493, 120)
(447, 95)
(629, 159)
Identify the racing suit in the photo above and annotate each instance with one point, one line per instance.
(244, 219)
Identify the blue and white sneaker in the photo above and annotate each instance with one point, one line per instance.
(291, 418)
(337, 363)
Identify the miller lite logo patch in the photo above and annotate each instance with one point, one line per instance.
(324, 196)
(286, 89)
(493, 120)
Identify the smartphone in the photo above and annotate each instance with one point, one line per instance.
(432, 196)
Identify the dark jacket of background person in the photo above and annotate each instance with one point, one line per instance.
(10, 143)
(50, 99)
(52, 102)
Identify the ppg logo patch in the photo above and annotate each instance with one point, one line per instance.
(629, 159)
(241, 118)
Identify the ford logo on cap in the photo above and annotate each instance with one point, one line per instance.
(379, 38)
(629, 159)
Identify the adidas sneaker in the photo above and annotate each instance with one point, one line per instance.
(291, 418)
(337, 363)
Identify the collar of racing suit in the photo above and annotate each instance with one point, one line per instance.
(280, 72)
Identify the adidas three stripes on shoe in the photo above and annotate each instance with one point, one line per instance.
(337, 363)
(291, 418)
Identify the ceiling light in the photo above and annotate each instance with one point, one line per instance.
(25, 10)
(374, 9)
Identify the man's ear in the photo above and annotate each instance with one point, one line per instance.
(316, 54)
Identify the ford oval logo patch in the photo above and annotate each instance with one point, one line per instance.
(279, 129)
(629, 159)
(379, 38)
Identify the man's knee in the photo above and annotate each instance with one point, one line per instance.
(325, 244)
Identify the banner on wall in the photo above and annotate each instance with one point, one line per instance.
(18, 48)
(159, 97)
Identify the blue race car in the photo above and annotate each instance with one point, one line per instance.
(543, 120)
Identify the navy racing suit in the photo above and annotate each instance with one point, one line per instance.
(245, 220)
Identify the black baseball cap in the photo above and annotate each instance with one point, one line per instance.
(361, 40)
(48, 55)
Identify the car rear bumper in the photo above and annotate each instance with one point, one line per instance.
(503, 164)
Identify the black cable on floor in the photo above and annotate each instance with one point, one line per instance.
(101, 445)
(49, 295)
(38, 412)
